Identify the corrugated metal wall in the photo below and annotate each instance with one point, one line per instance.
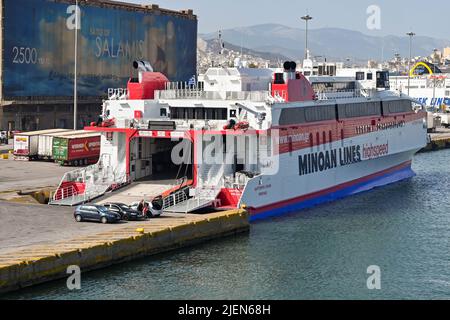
(38, 56)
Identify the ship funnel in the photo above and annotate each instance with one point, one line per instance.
(289, 70)
(290, 66)
(144, 66)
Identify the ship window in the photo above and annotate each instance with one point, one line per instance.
(360, 76)
(199, 113)
(397, 106)
(370, 76)
(163, 112)
(355, 110)
(279, 78)
(324, 113)
(292, 116)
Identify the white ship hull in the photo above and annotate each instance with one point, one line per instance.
(291, 189)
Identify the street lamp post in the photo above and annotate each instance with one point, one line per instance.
(75, 80)
(397, 65)
(306, 19)
(434, 75)
(411, 35)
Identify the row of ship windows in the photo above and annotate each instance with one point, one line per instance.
(198, 113)
(319, 139)
(301, 115)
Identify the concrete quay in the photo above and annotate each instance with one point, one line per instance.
(438, 141)
(49, 261)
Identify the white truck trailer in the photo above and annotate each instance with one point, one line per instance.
(26, 144)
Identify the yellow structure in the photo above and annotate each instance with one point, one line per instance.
(423, 64)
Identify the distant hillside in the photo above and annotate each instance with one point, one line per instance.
(212, 45)
(332, 43)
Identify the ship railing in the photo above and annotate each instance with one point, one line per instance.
(117, 94)
(98, 174)
(345, 94)
(280, 95)
(64, 193)
(175, 199)
(196, 94)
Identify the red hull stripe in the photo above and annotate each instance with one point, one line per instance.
(317, 134)
(255, 211)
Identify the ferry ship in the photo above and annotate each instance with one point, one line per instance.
(274, 142)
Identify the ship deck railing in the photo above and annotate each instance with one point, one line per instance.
(346, 94)
(198, 94)
(174, 91)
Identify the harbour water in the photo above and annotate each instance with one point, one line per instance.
(320, 253)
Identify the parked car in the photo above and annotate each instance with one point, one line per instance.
(156, 207)
(126, 213)
(98, 213)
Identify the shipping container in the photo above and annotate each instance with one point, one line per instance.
(77, 150)
(26, 144)
(38, 46)
(45, 149)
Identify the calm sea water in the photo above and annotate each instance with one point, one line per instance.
(321, 253)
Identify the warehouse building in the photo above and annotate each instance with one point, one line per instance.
(37, 42)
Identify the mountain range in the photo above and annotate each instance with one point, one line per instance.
(330, 43)
(213, 45)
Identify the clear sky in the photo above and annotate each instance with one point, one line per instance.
(426, 18)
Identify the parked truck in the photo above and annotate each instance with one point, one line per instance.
(77, 150)
(45, 149)
(26, 144)
(433, 122)
(445, 119)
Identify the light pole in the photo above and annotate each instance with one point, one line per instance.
(434, 74)
(306, 19)
(397, 64)
(75, 80)
(411, 35)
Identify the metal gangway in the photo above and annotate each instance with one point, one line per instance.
(97, 180)
(205, 195)
(180, 202)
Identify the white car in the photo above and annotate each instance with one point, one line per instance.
(155, 207)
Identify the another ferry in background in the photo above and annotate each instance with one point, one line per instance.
(428, 84)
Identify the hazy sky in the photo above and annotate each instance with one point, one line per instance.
(426, 18)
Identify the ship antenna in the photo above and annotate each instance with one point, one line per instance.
(221, 44)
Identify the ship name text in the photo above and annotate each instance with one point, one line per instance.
(330, 159)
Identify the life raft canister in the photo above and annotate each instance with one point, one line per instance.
(230, 125)
(243, 125)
